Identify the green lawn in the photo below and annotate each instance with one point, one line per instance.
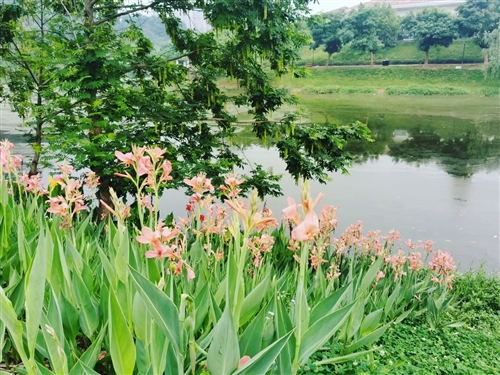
(405, 52)
(393, 80)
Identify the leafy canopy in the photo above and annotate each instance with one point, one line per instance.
(110, 89)
(434, 27)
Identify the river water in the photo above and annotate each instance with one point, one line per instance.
(429, 176)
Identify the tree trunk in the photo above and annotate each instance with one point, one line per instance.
(371, 58)
(37, 146)
(486, 57)
(426, 58)
(104, 195)
(328, 59)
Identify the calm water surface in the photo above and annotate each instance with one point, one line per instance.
(428, 176)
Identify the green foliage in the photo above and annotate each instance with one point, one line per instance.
(328, 30)
(104, 86)
(477, 17)
(201, 294)
(493, 68)
(422, 90)
(404, 52)
(434, 27)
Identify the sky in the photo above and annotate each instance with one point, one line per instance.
(328, 5)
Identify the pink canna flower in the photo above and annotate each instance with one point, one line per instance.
(144, 165)
(166, 166)
(58, 206)
(91, 180)
(148, 236)
(243, 361)
(380, 275)
(65, 169)
(415, 262)
(127, 159)
(156, 153)
(309, 205)
(306, 230)
(292, 212)
(161, 251)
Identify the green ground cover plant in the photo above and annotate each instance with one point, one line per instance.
(415, 347)
(404, 52)
(225, 290)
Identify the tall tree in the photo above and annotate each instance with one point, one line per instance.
(372, 28)
(111, 91)
(407, 26)
(327, 30)
(26, 68)
(434, 27)
(387, 24)
(476, 18)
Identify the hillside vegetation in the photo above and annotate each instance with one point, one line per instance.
(405, 52)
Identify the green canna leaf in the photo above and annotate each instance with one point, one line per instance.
(330, 303)
(283, 325)
(369, 277)
(253, 300)
(344, 358)
(88, 359)
(89, 318)
(9, 318)
(365, 340)
(263, 360)
(35, 287)
(121, 342)
(161, 308)
(319, 333)
(371, 322)
(251, 340)
(224, 354)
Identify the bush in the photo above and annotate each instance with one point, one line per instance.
(424, 90)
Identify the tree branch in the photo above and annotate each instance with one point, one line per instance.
(124, 13)
(25, 64)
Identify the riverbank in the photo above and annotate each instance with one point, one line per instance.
(394, 81)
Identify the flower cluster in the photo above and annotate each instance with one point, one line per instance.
(70, 199)
(33, 184)
(309, 227)
(165, 245)
(147, 164)
(9, 163)
(443, 268)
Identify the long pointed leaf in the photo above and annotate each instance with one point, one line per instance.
(321, 331)
(35, 287)
(121, 342)
(224, 354)
(161, 308)
(263, 360)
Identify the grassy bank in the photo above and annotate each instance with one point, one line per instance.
(393, 80)
(405, 52)
(414, 347)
